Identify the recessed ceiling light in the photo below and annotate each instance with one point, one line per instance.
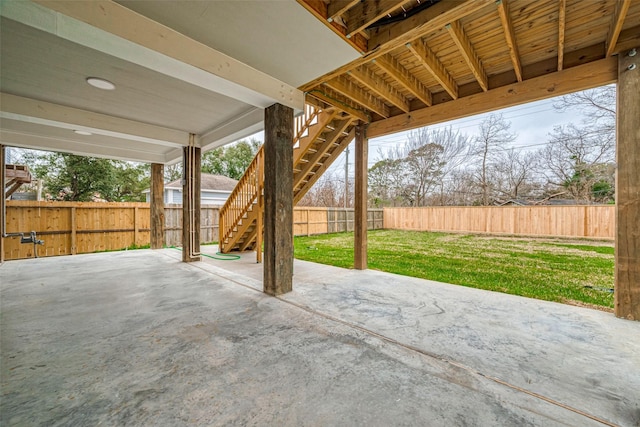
(100, 83)
(83, 132)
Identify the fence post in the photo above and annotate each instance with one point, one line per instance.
(74, 229)
(135, 226)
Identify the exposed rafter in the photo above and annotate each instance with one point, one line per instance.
(325, 94)
(622, 7)
(351, 90)
(397, 35)
(366, 13)
(562, 10)
(369, 79)
(392, 67)
(469, 54)
(581, 77)
(510, 36)
(429, 60)
(338, 7)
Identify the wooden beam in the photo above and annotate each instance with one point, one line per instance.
(392, 67)
(627, 253)
(628, 39)
(349, 89)
(393, 36)
(338, 7)
(367, 12)
(157, 206)
(431, 62)
(456, 31)
(278, 200)
(562, 12)
(510, 37)
(148, 43)
(361, 193)
(46, 113)
(369, 79)
(328, 95)
(617, 20)
(191, 203)
(581, 77)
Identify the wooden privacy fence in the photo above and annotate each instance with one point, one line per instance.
(565, 221)
(310, 220)
(75, 227)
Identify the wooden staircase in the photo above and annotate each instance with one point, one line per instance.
(320, 135)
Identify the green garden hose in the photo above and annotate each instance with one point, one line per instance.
(220, 256)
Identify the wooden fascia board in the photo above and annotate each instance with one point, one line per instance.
(456, 31)
(365, 99)
(60, 116)
(368, 78)
(581, 77)
(617, 20)
(393, 36)
(391, 66)
(367, 12)
(179, 56)
(562, 14)
(510, 37)
(431, 62)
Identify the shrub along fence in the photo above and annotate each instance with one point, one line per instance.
(69, 228)
(556, 221)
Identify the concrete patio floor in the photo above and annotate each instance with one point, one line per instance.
(139, 338)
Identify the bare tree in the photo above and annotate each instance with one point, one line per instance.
(494, 136)
(579, 159)
(515, 172)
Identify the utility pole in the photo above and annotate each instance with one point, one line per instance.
(346, 178)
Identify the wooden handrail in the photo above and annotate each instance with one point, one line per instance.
(251, 184)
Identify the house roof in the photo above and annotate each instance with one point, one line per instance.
(209, 182)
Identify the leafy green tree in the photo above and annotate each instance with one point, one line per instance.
(231, 160)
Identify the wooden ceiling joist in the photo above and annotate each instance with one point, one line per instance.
(429, 60)
(581, 77)
(456, 31)
(366, 13)
(369, 79)
(325, 94)
(390, 37)
(351, 90)
(392, 67)
(622, 7)
(562, 12)
(510, 37)
(338, 7)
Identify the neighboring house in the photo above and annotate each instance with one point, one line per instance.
(214, 190)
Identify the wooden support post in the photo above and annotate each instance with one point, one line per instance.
(191, 203)
(136, 233)
(360, 225)
(278, 199)
(157, 206)
(3, 210)
(627, 286)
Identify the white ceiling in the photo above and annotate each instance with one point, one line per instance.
(161, 95)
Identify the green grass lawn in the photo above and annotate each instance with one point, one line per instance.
(574, 272)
